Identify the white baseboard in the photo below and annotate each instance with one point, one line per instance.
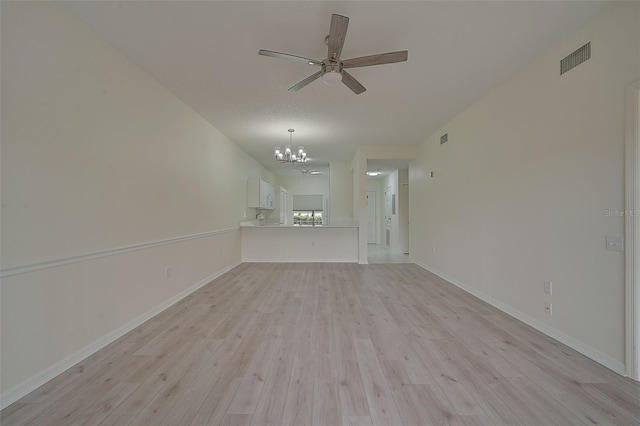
(9, 397)
(584, 349)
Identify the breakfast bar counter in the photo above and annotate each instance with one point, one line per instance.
(282, 243)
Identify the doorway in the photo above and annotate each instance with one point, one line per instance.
(390, 183)
(393, 213)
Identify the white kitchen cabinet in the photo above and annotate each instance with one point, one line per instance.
(260, 194)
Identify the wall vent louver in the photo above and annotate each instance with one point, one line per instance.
(444, 138)
(576, 58)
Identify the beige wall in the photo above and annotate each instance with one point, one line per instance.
(96, 156)
(340, 193)
(521, 189)
(305, 185)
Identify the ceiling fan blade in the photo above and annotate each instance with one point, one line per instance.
(289, 57)
(337, 34)
(352, 83)
(304, 82)
(379, 59)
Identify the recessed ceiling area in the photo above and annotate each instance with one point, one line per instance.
(206, 53)
(386, 166)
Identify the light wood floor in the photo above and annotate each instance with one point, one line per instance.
(331, 344)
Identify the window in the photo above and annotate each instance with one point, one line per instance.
(307, 218)
(307, 210)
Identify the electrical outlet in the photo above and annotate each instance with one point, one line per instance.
(548, 308)
(167, 272)
(614, 243)
(548, 288)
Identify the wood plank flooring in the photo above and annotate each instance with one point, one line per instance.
(331, 344)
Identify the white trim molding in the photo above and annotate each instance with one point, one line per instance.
(579, 346)
(52, 263)
(632, 231)
(12, 395)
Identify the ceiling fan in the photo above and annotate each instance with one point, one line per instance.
(333, 68)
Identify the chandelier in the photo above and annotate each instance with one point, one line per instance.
(289, 155)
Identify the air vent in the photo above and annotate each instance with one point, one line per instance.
(444, 138)
(575, 58)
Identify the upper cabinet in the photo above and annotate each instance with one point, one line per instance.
(260, 194)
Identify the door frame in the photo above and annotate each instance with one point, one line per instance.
(403, 216)
(375, 217)
(632, 231)
(388, 209)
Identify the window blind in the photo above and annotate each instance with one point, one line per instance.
(307, 202)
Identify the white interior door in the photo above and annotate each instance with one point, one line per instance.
(404, 217)
(372, 217)
(387, 215)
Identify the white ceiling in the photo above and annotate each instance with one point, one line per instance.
(386, 166)
(206, 53)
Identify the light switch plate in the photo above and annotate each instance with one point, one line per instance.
(614, 243)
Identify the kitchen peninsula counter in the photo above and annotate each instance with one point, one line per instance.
(272, 242)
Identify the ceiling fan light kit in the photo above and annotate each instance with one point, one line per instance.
(331, 78)
(332, 69)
